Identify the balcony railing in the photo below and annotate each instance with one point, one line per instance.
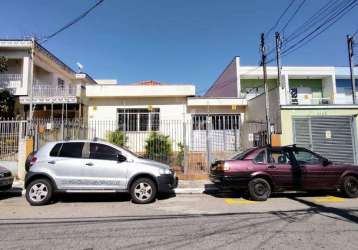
(50, 91)
(47, 94)
(310, 101)
(10, 81)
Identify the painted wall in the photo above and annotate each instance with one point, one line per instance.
(227, 84)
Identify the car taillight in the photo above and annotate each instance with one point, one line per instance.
(33, 160)
(223, 166)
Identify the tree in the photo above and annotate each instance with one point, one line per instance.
(3, 64)
(7, 104)
(7, 100)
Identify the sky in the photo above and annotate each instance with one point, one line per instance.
(171, 41)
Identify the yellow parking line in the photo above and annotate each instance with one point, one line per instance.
(231, 201)
(329, 199)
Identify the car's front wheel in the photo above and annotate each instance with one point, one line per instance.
(39, 192)
(259, 189)
(143, 191)
(350, 186)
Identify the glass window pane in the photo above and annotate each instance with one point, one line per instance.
(103, 152)
(306, 157)
(72, 149)
(55, 151)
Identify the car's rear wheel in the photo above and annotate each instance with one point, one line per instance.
(259, 189)
(39, 192)
(143, 191)
(350, 186)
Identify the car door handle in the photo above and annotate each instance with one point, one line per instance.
(271, 166)
(52, 162)
(89, 164)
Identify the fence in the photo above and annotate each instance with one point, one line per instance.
(187, 145)
(11, 132)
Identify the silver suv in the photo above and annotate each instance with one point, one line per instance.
(92, 167)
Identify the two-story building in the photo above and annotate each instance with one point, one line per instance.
(309, 106)
(32, 70)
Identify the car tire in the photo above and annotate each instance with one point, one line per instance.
(143, 191)
(259, 189)
(39, 192)
(350, 186)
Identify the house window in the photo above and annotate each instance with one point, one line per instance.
(218, 122)
(138, 119)
(60, 83)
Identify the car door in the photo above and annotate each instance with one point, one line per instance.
(315, 174)
(279, 167)
(103, 169)
(66, 163)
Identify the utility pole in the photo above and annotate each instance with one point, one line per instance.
(30, 86)
(350, 41)
(278, 59)
(267, 104)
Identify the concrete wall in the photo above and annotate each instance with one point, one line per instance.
(228, 83)
(256, 111)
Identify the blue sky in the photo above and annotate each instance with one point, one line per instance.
(166, 40)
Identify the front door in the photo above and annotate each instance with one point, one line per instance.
(314, 174)
(279, 167)
(103, 169)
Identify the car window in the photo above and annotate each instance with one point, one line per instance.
(279, 157)
(306, 157)
(71, 149)
(103, 152)
(56, 150)
(261, 157)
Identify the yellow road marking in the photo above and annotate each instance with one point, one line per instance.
(329, 199)
(232, 201)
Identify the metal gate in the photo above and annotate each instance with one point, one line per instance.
(330, 136)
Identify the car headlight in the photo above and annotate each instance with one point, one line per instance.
(165, 171)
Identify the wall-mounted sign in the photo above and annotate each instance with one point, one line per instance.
(328, 134)
(233, 107)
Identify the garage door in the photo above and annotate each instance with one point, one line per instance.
(330, 136)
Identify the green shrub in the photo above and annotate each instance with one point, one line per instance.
(180, 156)
(158, 147)
(117, 137)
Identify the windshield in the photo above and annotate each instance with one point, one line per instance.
(243, 154)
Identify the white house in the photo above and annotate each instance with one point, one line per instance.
(54, 86)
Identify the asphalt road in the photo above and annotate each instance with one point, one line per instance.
(289, 221)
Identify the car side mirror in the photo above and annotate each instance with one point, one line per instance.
(325, 162)
(121, 158)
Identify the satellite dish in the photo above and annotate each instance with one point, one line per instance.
(80, 67)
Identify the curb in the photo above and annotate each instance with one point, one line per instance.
(176, 191)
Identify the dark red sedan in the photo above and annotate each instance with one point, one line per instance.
(261, 171)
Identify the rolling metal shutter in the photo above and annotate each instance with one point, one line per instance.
(329, 136)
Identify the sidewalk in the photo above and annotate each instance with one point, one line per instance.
(184, 187)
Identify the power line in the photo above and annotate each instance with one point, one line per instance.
(324, 13)
(293, 16)
(74, 21)
(331, 21)
(280, 18)
(355, 33)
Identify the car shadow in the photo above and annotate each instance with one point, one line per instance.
(289, 195)
(99, 197)
(7, 194)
